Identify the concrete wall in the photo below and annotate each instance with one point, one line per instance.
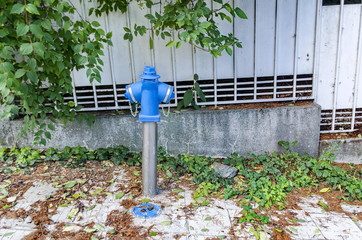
(215, 133)
(346, 150)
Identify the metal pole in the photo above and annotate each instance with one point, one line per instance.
(149, 159)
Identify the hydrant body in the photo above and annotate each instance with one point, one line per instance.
(149, 93)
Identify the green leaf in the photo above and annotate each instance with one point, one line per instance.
(153, 234)
(17, 9)
(30, 8)
(97, 191)
(96, 24)
(180, 104)
(8, 234)
(188, 96)
(33, 77)
(166, 223)
(240, 13)
(26, 49)
(45, 23)
(20, 72)
(171, 43)
(99, 227)
(229, 51)
(70, 184)
(205, 24)
(39, 49)
(36, 30)
(48, 135)
(218, 1)
(323, 190)
(22, 29)
(73, 213)
(119, 195)
(90, 230)
(151, 43)
(51, 126)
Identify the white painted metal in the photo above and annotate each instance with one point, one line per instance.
(278, 41)
(339, 68)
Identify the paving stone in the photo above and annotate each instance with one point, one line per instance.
(40, 191)
(307, 228)
(336, 226)
(209, 220)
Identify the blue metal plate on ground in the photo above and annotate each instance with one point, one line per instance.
(147, 210)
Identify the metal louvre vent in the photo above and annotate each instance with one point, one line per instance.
(225, 91)
(343, 120)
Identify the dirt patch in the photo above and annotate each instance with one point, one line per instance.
(39, 234)
(122, 222)
(343, 135)
(128, 203)
(280, 235)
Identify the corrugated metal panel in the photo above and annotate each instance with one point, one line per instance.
(276, 62)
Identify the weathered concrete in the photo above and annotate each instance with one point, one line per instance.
(205, 132)
(345, 150)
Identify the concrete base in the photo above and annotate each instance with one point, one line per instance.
(216, 133)
(345, 150)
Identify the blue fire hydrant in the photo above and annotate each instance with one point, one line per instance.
(149, 93)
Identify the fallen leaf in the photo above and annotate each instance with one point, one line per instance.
(323, 190)
(72, 228)
(204, 230)
(166, 223)
(119, 195)
(208, 219)
(73, 213)
(11, 199)
(70, 184)
(90, 230)
(8, 234)
(293, 229)
(97, 191)
(99, 227)
(323, 205)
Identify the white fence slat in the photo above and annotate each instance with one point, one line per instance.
(328, 52)
(286, 12)
(265, 18)
(244, 31)
(348, 56)
(120, 50)
(141, 51)
(306, 38)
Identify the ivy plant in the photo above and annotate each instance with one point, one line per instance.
(42, 43)
(40, 46)
(192, 21)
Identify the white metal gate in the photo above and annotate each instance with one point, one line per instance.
(276, 62)
(339, 85)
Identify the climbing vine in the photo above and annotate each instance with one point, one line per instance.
(190, 21)
(43, 41)
(40, 46)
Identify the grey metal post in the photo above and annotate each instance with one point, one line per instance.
(149, 159)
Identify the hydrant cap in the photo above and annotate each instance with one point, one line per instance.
(149, 72)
